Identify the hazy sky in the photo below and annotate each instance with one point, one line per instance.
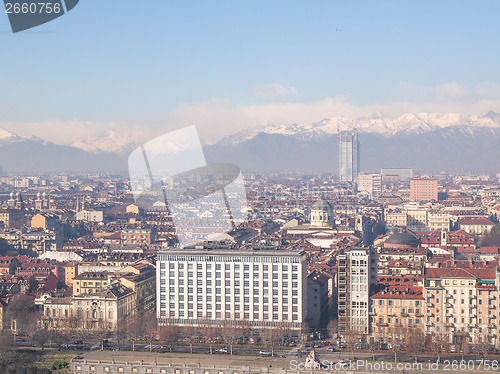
(137, 69)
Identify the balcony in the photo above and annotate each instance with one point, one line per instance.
(448, 305)
(491, 297)
(491, 307)
(485, 286)
(492, 327)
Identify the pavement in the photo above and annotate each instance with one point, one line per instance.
(362, 363)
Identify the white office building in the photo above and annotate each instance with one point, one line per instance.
(218, 287)
(370, 183)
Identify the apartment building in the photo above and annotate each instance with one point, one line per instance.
(423, 189)
(137, 236)
(396, 310)
(11, 218)
(370, 183)
(200, 287)
(91, 282)
(357, 272)
(463, 303)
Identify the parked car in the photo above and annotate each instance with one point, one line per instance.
(331, 349)
(221, 350)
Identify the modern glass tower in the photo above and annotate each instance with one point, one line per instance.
(348, 156)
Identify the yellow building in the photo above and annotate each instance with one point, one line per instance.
(45, 221)
(395, 310)
(91, 282)
(141, 278)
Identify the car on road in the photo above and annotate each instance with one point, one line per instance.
(331, 349)
(265, 353)
(341, 365)
(221, 350)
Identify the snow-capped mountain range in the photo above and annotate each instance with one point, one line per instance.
(426, 142)
(375, 124)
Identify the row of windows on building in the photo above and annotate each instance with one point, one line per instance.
(230, 259)
(416, 303)
(228, 283)
(208, 293)
(228, 276)
(227, 266)
(472, 321)
(229, 315)
(398, 321)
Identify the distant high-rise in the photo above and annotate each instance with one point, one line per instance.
(423, 189)
(348, 156)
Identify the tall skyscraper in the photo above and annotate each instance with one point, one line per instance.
(348, 156)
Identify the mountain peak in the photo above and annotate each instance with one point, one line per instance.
(492, 115)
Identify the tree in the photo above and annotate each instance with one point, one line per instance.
(491, 239)
(332, 328)
(133, 329)
(305, 330)
(150, 327)
(32, 285)
(190, 336)
(396, 340)
(229, 335)
(438, 343)
(169, 334)
(121, 331)
(484, 342)
(351, 338)
(270, 337)
(22, 315)
(414, 339)
(42, 335)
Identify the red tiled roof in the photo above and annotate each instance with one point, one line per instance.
(488, 250)
(476, 221)
(460, 273)
(400, 292)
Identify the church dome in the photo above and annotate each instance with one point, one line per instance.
(403, 238)
(322, 205)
